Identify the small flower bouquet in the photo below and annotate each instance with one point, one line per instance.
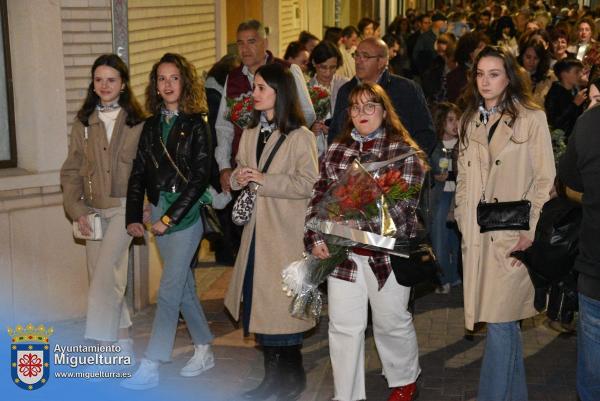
(359, 210)
(240, 109)
(321, 101)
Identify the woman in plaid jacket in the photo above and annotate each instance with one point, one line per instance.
(373, 132)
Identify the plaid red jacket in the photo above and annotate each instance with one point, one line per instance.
(334, 163)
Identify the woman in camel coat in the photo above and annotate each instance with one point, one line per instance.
(272, 239)
(510, 161)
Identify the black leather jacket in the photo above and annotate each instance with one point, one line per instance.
(190, 147)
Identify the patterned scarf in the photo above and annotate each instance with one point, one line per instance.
(484, 114)
(108, 107)
(367, 138)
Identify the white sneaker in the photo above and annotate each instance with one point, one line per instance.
(202, 360)
(144, 378)
(443, 289)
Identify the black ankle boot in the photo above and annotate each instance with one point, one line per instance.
(293, 375)
(270, 384)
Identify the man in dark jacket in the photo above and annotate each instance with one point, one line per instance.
(580, 171)
(371, 59)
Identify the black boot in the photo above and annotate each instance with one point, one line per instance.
(293, 375)
(270, 384)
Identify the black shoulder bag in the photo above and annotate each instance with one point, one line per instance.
(496, 216)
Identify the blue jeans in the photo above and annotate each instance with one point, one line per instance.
(177, 292)
(445, 240)
(502, 376)
(588, 349)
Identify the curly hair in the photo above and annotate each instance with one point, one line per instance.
(127, 100)
(440, 114)
(518, 91)
(193, 98)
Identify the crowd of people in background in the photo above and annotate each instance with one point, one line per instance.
(488, 97)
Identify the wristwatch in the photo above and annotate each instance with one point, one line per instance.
(167, 221)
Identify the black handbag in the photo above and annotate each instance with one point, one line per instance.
(421, 264)
(495, 216)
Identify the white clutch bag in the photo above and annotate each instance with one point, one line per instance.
(96, 226)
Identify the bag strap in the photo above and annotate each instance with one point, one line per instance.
(179, 173)
(272, 155)
(87, 156)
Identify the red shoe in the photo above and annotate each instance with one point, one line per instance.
(404, 393)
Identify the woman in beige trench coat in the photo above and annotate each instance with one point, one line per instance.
(272, 239)
(506, 150)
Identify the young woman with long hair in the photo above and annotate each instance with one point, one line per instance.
(172, 169)
(505, 154)
(94, 176)
(373, 132)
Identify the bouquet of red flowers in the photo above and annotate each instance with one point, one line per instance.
(321, 101)
(366, 208)
(240, 109)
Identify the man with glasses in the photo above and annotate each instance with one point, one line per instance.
(371, 60)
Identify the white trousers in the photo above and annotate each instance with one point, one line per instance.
(107, 262)
(393, 329)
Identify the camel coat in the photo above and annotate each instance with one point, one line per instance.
(495, 291)
(278, 221)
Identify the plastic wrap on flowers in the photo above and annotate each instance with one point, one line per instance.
(358, 209)
(301, 281)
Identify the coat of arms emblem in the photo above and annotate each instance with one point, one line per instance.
(30, 355)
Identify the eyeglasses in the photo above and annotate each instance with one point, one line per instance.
(367, 108)
(364, 56)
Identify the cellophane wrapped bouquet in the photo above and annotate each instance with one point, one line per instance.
(240, 109)
(321, 101)
(356, 211)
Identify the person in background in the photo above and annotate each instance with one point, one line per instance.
(333, 34)
(565, 101)
(467, 48)
(325, 60)
(424, 50)
(434, 81)
(366, 27)
(252, 46)
(422, 24)
(586, 31)
(407, 97)
(484, 23)
(457, 24)
(297, 54)
(594, 93)
(94, 176)
(373, 132)
(272, 239)
(172, 169)
(444, 238)
(308, 40)
(559, 42)
(501, 130)
(225, 247)
(579, 170)
(534, 57)
(347, 49)
(505, 35)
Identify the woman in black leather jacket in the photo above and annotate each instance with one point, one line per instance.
(172, 167)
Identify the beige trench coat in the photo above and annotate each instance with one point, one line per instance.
(495, 291)
(278, 220)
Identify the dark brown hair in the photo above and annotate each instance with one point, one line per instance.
(518, 91)
(393, 127)
(193, 98)
(440, 113)
(288, 113)
(127, 100)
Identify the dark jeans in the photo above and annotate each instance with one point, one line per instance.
(271, 340)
